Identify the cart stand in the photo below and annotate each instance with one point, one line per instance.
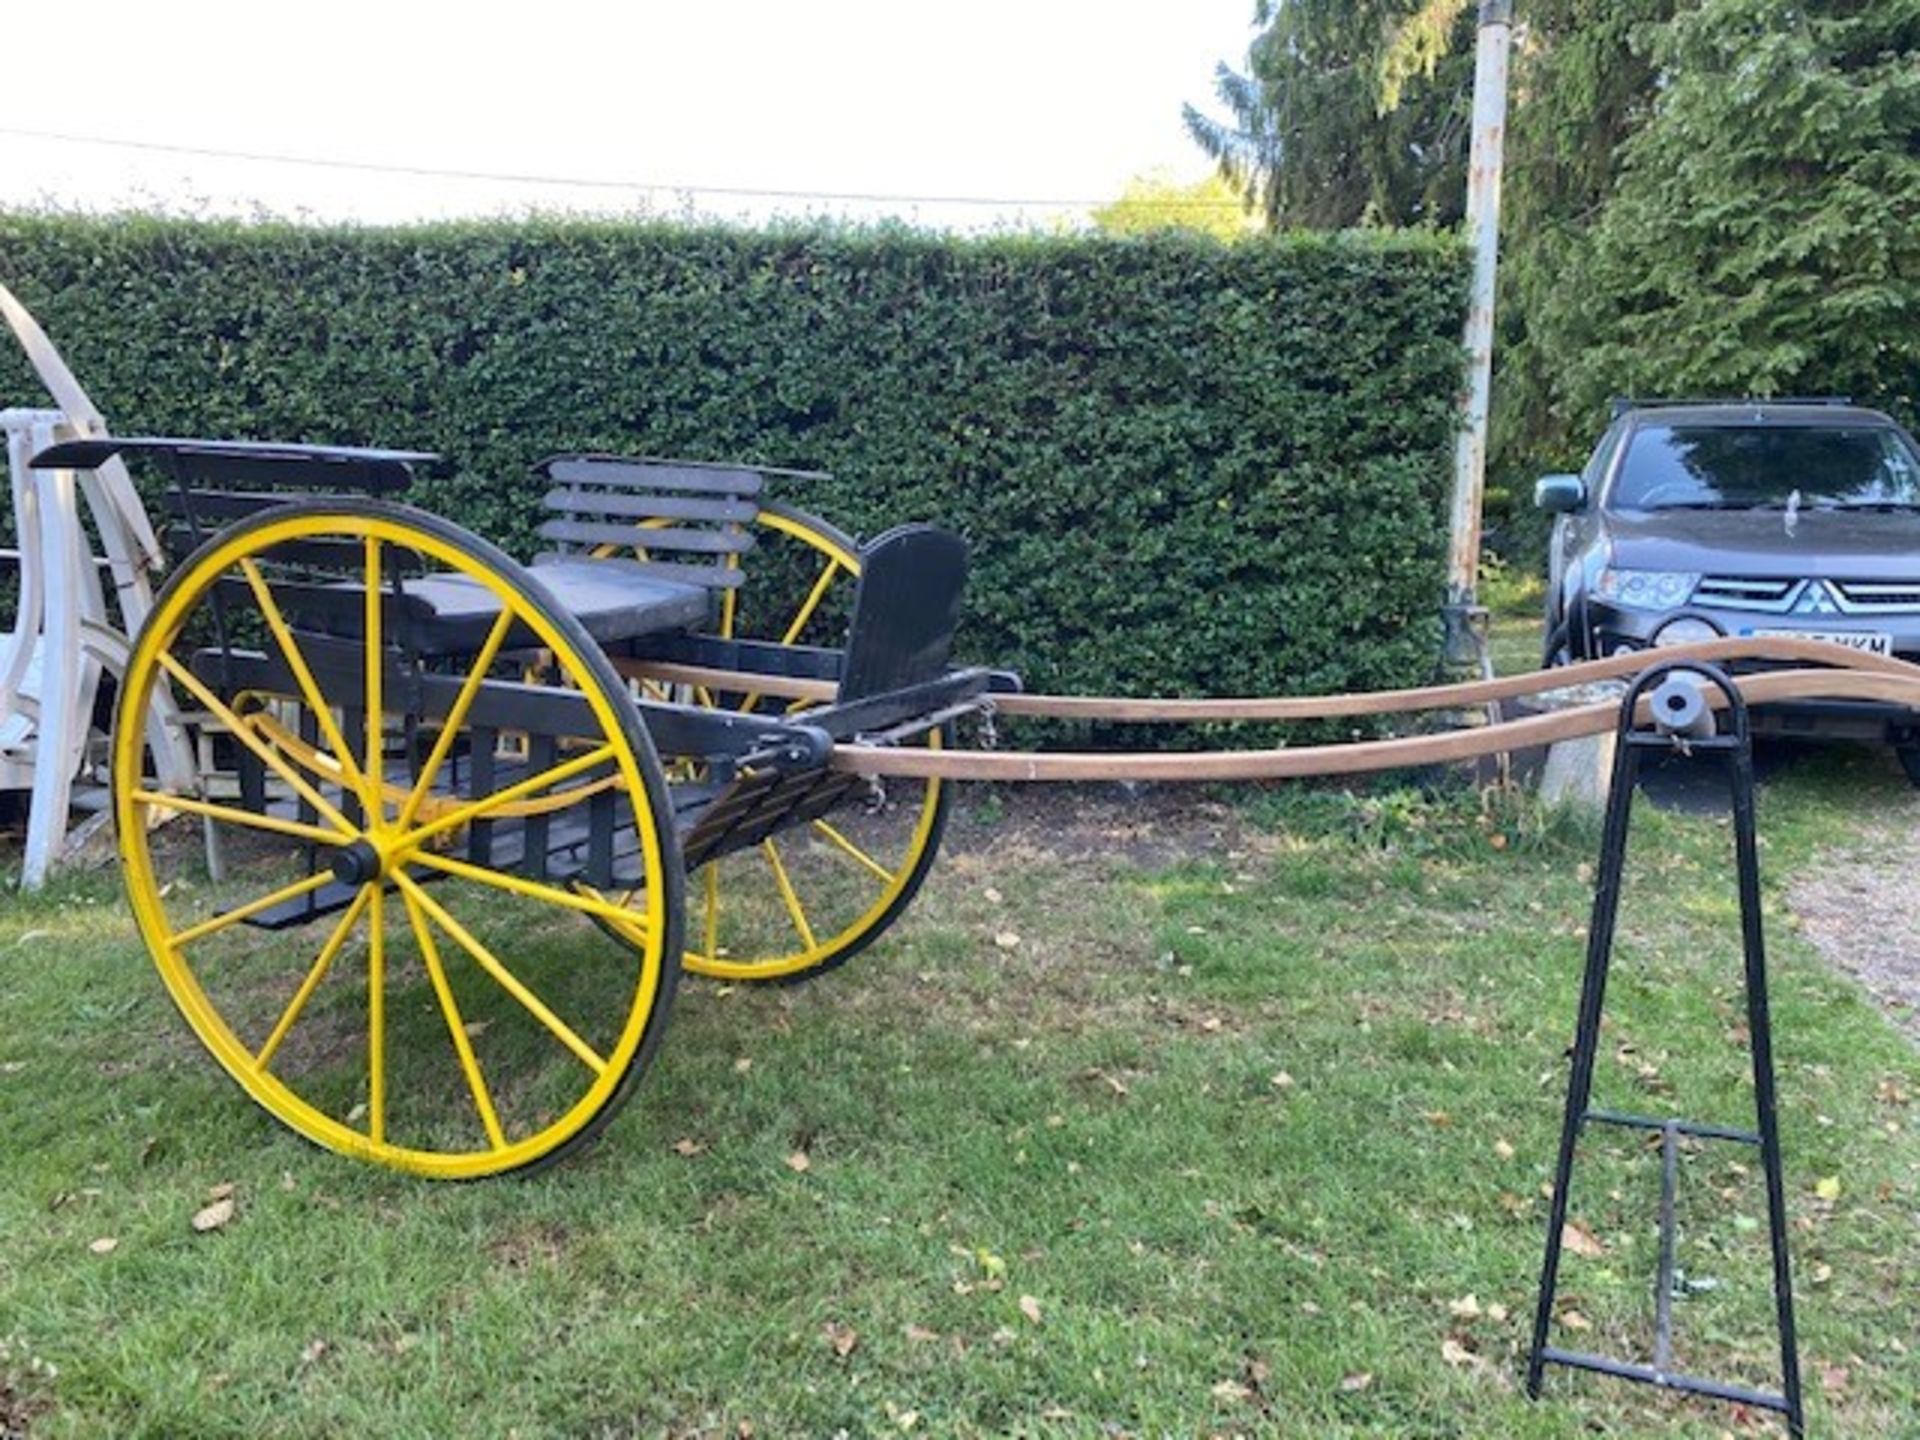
(1681, 721)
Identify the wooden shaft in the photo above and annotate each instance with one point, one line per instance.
(1352, 759)
(1154, 710)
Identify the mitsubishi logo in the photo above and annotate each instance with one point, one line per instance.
(1816, 599)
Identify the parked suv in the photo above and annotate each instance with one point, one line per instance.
(1695, 520)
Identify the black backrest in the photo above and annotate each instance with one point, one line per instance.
(906, 610)
(685, 520)
(215, 482)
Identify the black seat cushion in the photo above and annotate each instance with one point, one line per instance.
(611, 601)
(451, 614)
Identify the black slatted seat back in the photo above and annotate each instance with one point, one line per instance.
(680, 520)
(215, 483)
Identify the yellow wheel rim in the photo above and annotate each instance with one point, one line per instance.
(815, 896)
(409, 1025)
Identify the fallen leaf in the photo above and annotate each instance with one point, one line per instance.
(921, 1335)
(907, 1419)
(221, 1191)
(1828, 1188)
(1497, 1313)
(1439, 1119)
(1007, 940)
(1467, 1307)
(1353, 1384)
(315, 1349)
(799, 1162)
(993, 895)
(1030, 1308)
(1282, 1080)
(687, 1147)
(743, 1064)
(1231, 1390)
(476, 1028)
(1454, 1353)
(1822, 1273)
(1574, 1320)
(1503, 1149)
(1582, 1241)
(105, 1245)
(213, 1216)
(843, 1338)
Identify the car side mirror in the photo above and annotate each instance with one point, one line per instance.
(1560, 494)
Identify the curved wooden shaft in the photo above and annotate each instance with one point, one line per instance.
(1358, 758)
(1156, 710)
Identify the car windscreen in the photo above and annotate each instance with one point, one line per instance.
(1741, 467)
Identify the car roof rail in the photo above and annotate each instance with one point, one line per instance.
(1620, 404)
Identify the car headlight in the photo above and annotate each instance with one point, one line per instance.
(1687, 630)
(1645, 589)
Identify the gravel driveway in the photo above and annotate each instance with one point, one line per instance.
(1860, 907)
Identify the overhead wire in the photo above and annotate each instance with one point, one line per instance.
(582, 182)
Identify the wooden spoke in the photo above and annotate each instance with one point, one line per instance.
(376, 669)
(328, 953)
(507, 980)
(478, 809)
(462, 1045)
(794, 908)
(848, 848)
(247, 736)
(799, 621)
(730, 598)
(586, 904)
(305, 885)
(228, 815)
(456, 717)
(303, 676)
(812, 603)
(376, 1013)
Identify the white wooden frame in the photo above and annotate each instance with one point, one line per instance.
(65, 636)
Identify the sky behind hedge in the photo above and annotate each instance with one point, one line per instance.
(993, 98)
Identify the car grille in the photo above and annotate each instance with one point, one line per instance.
(1733, 592)
(1809, 597)
(1877, 597)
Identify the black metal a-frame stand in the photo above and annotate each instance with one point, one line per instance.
(1681, 719)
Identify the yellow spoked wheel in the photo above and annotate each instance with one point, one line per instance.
(814, 897)
(376, 925)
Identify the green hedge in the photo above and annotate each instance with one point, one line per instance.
(1183, 466)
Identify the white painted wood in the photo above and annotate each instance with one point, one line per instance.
(64, 668)
(78, 612)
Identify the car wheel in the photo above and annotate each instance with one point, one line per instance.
(1555, 650)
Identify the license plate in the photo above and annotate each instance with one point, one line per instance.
(1874, 642)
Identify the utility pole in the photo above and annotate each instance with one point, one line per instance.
(1466, 618)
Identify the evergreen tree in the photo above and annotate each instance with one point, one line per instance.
(1764, 233)
(1313, 139)
(1584, 81)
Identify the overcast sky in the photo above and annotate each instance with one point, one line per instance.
(1049, 100)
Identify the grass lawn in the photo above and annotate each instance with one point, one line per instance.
(1102, 1141)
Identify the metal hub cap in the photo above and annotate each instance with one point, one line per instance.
(358, 864)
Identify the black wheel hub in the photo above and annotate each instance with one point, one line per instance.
(356, 864)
